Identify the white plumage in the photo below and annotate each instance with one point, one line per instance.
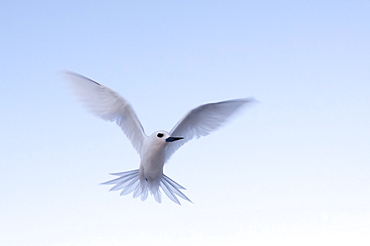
(156, 149)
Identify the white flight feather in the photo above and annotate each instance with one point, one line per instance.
(108, 105)
(202, 120)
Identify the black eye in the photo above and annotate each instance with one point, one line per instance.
(160, 135)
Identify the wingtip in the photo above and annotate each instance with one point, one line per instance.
(66, 73)
(247, 100)
(252, 100)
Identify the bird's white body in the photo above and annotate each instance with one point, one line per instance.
(156, 149)
(152, 160)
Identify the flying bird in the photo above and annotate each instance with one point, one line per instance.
(156, 149)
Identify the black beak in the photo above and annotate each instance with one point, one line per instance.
(172, 139)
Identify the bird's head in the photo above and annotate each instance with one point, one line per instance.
(163, 137)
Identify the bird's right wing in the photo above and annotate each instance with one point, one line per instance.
(202, 120)
(108, 105)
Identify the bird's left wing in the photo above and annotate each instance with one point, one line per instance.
(202, 120)
(108, 105)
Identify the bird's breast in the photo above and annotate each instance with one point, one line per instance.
(151, 165)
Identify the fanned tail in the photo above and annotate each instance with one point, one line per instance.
(130, 181)
(171, 188)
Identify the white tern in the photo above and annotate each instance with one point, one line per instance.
(156, 149)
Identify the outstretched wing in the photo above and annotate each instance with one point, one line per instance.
(202, 120)
(108, 105)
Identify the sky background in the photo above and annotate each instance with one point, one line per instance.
(293, 169)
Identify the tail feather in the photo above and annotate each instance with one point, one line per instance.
(157, 195)
(169, 193)
(122, 183)
(130, 182)
(142, 191)
(144, 195)
(175, 187)
(123, 178)
(133, 185)
(173, 183)
(124, 174)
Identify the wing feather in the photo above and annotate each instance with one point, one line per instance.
(108, 105)
(202, 120)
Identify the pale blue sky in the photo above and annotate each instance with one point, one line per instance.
(293, 169)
